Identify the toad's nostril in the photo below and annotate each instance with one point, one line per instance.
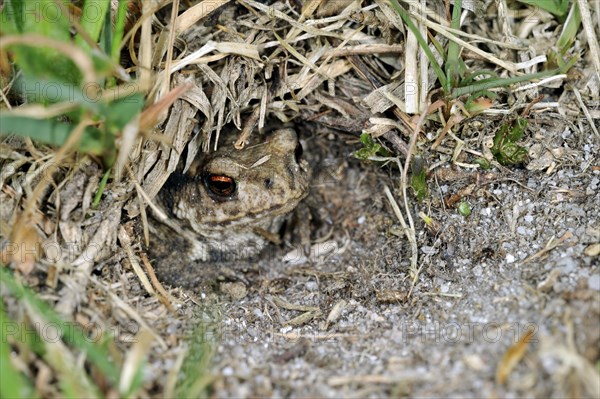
(298, 152)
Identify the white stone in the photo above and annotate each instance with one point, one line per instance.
(594, 282)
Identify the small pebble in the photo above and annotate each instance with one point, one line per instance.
(568, 264)
(427, 250)
(285, 330)
(594, 282)
(592, 250)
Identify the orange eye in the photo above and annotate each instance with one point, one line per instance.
(220, 185)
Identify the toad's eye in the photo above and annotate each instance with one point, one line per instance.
(220, 185)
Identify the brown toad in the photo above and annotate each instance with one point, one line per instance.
(229, 205)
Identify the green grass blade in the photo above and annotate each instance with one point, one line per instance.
(453, 60)
(13, 19)
(470, 78)
(203, 343)
(106, 34)
(101, 188)
(92, 19)
(556, 7)
(14, 384)
(409, 23)
(119, 30)
(494, 83)
(570, 29)
(97, 355)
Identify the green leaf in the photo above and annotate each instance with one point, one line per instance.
(367, 140)
(418, 179)
(505, 149)
(518, 129)
(473, 105)
(483, 163)
(120, 112)
(46, 18)
(464, 208)
(42, 91)
(51, 132)
(370, 149)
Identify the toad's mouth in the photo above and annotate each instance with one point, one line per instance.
(258, 216)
